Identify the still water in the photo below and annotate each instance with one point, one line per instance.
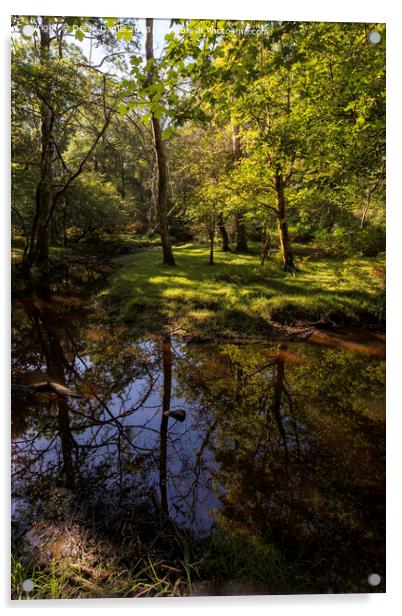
(274, 440)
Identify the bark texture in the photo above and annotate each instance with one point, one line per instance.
(286, 248)
(160, 155)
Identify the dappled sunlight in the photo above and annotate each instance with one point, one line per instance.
(170, 279)
(239, 282)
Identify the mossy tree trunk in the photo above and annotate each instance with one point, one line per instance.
(284, 240)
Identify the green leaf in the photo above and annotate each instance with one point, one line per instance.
(122, 109)
(157, 109)
(167, 133)
(111, 21)
(124, 33)
(135, 60)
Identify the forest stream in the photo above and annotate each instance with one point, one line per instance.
(128, 448)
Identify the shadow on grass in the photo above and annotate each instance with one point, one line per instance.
(237, 293)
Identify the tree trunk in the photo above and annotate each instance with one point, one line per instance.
(241, 234)
(279, 386)
(65, 238)
(47, 329)
(284, 240)
(167, 390)
(224, 234)
(123, 181)
(38, 248)
(162, 199)
(37, 253)
(265, 244)
(211, 247)
(370, 192)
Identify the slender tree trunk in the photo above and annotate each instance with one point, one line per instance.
(65, 238)
(265, 244)
(279, 386)
(370, 192)
(167, 389)
(162, 198)
(211, 247)
(39, 241)
(366, 208)
(241, 234)
(224, 234)
(284, 239)
(123, 181)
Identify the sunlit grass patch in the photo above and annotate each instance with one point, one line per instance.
(195, 294)
(69, 582)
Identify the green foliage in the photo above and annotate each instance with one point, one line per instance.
(348, 241)
(307, 101)
(301, 233)
(85, 216)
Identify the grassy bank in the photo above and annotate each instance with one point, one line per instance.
(219, 566)
(237, 296)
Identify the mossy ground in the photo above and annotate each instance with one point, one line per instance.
(238, 296)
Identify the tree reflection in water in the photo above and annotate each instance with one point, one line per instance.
(278, 445)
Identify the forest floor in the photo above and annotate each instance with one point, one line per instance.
(235, 297)
(238, 297)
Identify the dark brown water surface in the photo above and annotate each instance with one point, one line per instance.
(280, 443)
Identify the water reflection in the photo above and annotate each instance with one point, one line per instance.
(278, 443)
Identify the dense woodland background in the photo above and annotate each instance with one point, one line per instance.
(275, 137)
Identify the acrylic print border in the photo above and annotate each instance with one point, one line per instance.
(313, 600)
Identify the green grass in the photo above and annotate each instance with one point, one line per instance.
(64, 580)
(47, 584)
(249, 562)
(237, 296)
(224, 563)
